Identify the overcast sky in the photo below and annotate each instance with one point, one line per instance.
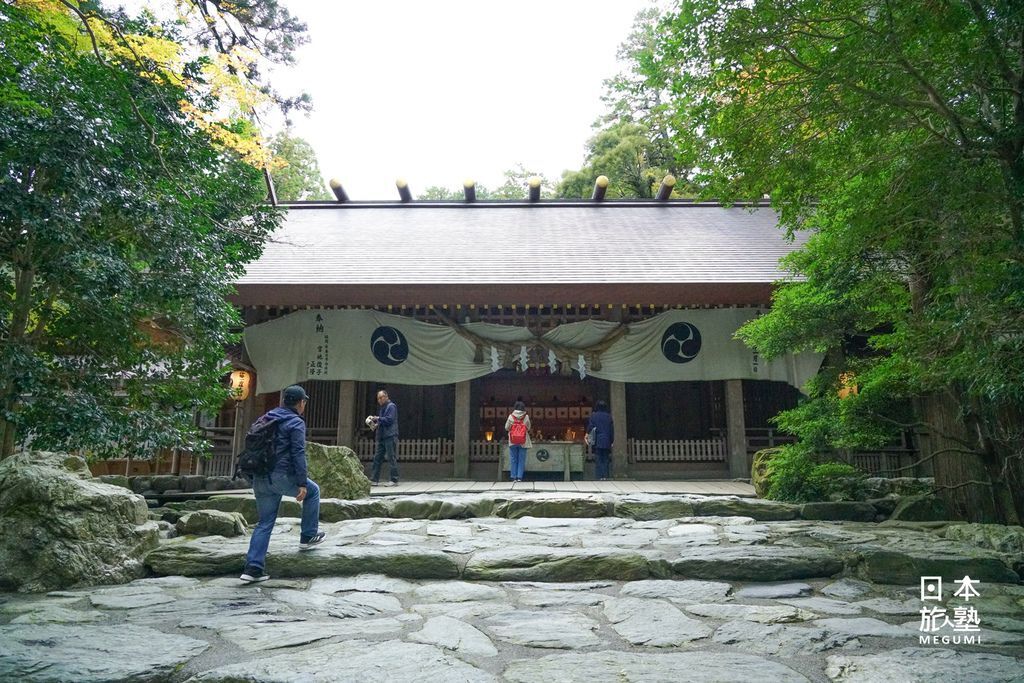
(437, 92)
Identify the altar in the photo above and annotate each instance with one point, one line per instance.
(550, 456)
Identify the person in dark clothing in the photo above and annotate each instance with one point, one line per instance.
(603, 430)
(288, 478)
(386, 425)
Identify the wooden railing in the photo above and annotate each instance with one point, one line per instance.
(485, 451)
(412, 450)
(688, 450)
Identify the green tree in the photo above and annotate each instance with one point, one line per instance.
(123, 226)
(299, 178)
(624, 154)
(894, 132)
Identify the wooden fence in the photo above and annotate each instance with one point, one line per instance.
(412, 450)
(686, 450)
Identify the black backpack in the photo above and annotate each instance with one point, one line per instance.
(257, 456)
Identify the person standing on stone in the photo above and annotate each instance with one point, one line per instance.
(385, 423)
(518, 427)
(288, 478)
(603, 429)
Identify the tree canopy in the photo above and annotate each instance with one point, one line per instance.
(298, 174)
(134, 195)
(894, 134)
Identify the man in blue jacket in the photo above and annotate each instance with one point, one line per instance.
(288, 478)
(386, 424)
(603, 430)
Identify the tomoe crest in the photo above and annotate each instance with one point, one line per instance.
(389, 346)
(681, 342)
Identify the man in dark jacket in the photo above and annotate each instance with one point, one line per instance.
(603, 430)
(386, 425)
(288, 478)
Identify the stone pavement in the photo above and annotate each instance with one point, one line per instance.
(535, 588)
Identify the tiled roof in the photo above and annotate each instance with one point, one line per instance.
(522, 244)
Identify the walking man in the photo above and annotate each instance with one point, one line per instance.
(386, 426)
(287, 478)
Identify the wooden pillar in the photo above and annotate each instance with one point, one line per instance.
(460, 467)
(620, 459)
(346, 413)
(736, 429)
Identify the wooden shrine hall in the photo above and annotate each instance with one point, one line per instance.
(459, 309)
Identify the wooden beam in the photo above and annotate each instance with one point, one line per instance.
(338, 190)
(600, 187)
(469, 190)
(665, 191)
(403, 190)
(534, 185)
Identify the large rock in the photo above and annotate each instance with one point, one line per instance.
(651, 507)
(541, 563)
(757, 563)
(541, 506)
(211, 523)
(760, 510)
(922, 508)
(1005, 539)
(213, 556)
(456, 636)
(246, 505)
(62, 528)
(337, 471)
(92, 654)
(165, 482)
(759, 471)
(116, 480)
(907, 563)
(839, 511)
(333, 510)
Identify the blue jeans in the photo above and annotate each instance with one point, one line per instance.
(387, 447)
(516, 461)
(268, 492)
(603, 462)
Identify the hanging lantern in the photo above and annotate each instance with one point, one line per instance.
(241, 384)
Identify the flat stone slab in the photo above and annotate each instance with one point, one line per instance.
(924, 664)
(457, 591)
(548, 629)
(654, 623)
(87, 654)
(206, 557)
(533, 563)
(757, 563)
(686, 592)
(779, 640)
(768, 591)
(865, 626)
(355, 660)
(906, 565)
(456, 636)
(634, 667)
(259, 633)
(824, 605)
(763, 614)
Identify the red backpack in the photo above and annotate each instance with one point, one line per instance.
(517, 434)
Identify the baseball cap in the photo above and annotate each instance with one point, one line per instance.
(294, 394)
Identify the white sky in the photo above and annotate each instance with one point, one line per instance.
(437, 92)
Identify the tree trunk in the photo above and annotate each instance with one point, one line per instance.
(958, 460)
